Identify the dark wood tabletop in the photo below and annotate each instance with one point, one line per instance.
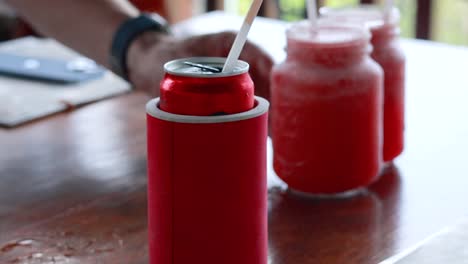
(73, 186)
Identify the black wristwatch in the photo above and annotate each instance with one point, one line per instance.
(127, 32)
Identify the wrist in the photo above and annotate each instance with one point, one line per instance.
(139, 33)
(139, 50)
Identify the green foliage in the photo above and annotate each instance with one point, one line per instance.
(244, 6)
(450, 21)
(341, 3)
(408, 16)
(292, 10)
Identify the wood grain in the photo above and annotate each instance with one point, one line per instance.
(73, 186)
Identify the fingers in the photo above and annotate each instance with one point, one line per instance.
(145, 62)
(210, 45)
(219, 45)
(150, 72)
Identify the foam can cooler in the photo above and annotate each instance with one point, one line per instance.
(207, 196)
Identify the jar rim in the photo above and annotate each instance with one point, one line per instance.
(369, 15)
(328, 35)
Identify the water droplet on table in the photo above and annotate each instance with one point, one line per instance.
(13, 245)
(26, 242)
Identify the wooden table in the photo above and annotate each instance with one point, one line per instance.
(73, 186)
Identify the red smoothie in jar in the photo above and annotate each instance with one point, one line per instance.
(327, 110)
(388, 53)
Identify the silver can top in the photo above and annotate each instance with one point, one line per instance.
(203, 67)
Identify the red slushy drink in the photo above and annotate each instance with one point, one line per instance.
(388, 53)
(327, 110)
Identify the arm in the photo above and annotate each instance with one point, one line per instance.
(87, 26)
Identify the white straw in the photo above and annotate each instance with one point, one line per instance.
(312, 12)
(241, 37)
(388, 10)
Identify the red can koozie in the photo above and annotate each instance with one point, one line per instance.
(207, 196)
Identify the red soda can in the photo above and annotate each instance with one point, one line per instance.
(197, 86)
(207, 195)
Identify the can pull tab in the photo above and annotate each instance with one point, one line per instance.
(203, 67)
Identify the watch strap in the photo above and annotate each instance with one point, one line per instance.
(129, 31)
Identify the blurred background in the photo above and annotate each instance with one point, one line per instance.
(439, 20)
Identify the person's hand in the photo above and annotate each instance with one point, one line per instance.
(149, 53)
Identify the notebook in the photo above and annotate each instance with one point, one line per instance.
(24, 100)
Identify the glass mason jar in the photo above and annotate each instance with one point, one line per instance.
(327, 110)
(389, 54)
